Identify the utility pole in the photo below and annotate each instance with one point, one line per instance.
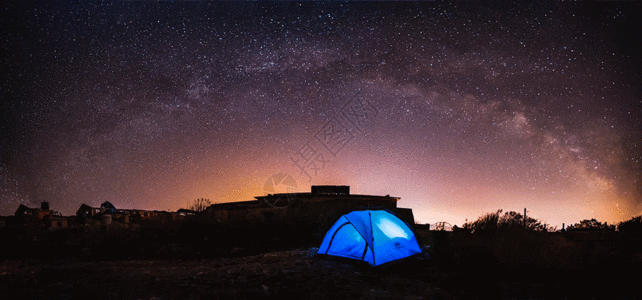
(524, 218)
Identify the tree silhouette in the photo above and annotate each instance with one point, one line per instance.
(200, 204)
(591, 225)
(634, 226)
(508, 221)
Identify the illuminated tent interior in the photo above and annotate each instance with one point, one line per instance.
(373, 236)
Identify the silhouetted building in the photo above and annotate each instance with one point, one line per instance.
(35, 213)
(53, 221)
(319, 208)
(186, 212)
(107, 214)
(87, 211)
(42, 216)
(110, 207)
(330, 190)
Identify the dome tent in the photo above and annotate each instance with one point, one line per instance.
(373, 236)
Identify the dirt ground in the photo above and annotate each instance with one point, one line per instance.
(294, 274)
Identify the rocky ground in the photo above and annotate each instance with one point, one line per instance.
(292, 274)
(295, 274)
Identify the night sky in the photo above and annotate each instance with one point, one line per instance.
(457, 109)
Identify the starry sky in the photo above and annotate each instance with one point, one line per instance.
(458, 109)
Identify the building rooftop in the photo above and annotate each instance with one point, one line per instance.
(318, 193)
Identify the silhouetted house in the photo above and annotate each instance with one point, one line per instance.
(24, 211)
(108, 206)
(318, 209)
(140, 214)
(107, 214)
(87, 211)
(40, 216)
(54, 221)
(35, 213)
(186, 212)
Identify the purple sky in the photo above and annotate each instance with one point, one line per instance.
(457, 109)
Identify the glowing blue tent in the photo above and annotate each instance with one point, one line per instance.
(373, 236)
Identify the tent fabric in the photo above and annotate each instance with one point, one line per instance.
(373, 236)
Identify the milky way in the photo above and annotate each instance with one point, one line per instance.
(457, 109)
